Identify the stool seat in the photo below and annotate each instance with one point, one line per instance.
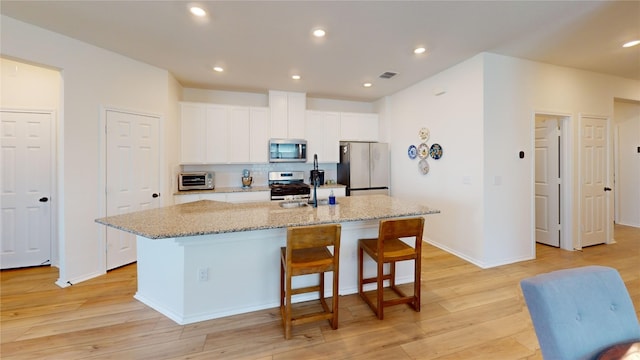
(388, 248)
(306, 253)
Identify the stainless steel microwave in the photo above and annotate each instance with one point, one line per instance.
(195, 181)
(287, 150)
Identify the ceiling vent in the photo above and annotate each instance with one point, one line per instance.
(387, 75)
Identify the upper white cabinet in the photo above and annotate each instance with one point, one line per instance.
(358, 127)
(223, 134)
(323, 136)
(287, 114)
(192, 134)
(259, 134)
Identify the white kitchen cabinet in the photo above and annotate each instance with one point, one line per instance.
(232, 197)
(324, 192)
(259, 135)
(287, 114)
(248, 196)
(239, 135)
(192, 134)
(223, 134)
(216, 135)
(323, 129)
(183, 199)
(359, 127)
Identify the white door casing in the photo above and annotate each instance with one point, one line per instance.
(25, 188)
(132, 176)
(594, 203)
(547, 180)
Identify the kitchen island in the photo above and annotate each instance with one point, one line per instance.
(210, 259)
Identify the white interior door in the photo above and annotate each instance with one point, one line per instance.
(133, 179)
(593, 147)
(25, 185)
(547, 180)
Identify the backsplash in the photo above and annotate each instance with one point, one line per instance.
(230, 175)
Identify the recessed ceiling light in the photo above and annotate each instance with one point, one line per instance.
(419, 50)
(631, 43)
(218, 69)
(367, 84)
(319, 33)
(295, 77)
(197, 11)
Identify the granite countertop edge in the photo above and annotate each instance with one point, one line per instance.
(206, 217)
(234, 189)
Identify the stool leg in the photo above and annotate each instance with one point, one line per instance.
(380, 289)
(417, 281)
(287, 308)
(334, 300)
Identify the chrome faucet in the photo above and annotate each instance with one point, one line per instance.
(316, 178)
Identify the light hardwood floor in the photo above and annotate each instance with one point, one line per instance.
(467, 313)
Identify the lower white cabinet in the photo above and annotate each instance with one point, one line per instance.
(232, 197)
(323, 193)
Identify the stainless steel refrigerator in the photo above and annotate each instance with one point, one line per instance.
(364, 168)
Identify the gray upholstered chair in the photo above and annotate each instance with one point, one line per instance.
(578, 313)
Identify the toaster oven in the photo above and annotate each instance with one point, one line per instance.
(195, 181)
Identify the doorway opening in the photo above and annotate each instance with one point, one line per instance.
(552, 194)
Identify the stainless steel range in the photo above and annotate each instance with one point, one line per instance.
(288, 183)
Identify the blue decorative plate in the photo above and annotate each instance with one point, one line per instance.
(413, 152)
(436, 151)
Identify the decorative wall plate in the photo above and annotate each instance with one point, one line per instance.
(436, 151)
(423, 151)
(423, 134)
(412, 152)
(423, 165)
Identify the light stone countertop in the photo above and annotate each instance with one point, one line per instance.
(215, 217)
(243, 189)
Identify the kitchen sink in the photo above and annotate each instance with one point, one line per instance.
(293, 204)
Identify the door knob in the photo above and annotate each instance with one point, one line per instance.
(44, 199)
(155, 195)
(607, 189)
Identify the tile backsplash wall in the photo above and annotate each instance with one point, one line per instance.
(231, 175)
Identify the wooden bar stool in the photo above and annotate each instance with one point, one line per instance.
(307, 253)
(388, 248)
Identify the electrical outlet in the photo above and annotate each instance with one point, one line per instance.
(203, 274)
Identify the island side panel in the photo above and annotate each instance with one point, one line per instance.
(242, 272)
(161, 276)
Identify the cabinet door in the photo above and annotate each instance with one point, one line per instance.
(358, 127)
(279, 114)
(259, 135)
(216, 134)
(192, 134)
(322, 134)
(315, 142)
(215, 197)
(182, 199)
(239, 127)
(296, 108)
(331, 137)
(249, 196)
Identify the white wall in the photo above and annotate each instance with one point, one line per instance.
(454, 184)
(258, 99)
(482, 121)
(514, 90)
(627, 141)
(92, 78)
(28, 87)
